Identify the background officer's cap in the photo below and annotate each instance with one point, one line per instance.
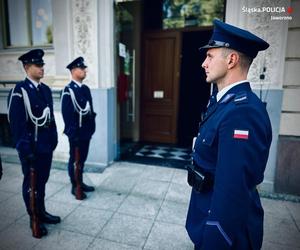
(34, 56)
(77, 63)
(229, 36)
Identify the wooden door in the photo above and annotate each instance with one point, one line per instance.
(160, 85)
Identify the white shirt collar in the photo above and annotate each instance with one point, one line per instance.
(222, 92)
(78, 83)
(35, 83)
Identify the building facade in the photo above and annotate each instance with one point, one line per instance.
(88, 28)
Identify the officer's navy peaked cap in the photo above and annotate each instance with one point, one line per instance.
(77, 63)
(229, 36)
(34, 56)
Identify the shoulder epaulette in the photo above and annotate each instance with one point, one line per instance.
(241, 98)
(227, 98)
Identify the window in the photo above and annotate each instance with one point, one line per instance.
(183, 13)
(27, 23)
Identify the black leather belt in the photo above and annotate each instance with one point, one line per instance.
(198, 179)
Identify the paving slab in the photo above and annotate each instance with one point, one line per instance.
(165, 236)
(17, 237)
(151, 188)
(62, 240)
(102, 244)
(179, 193)
(104, 199)
(173, 212)
(140, 206)
(85, 220)
(127, 229)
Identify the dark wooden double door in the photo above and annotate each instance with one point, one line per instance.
(173, 87)
(160, 85)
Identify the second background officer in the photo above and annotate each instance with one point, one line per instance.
(79, 119)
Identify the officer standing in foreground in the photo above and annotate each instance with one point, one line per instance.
(30, 113)
(231, 149)
(79, 118)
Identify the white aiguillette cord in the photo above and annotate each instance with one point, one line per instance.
(37, 121)
(77, 107)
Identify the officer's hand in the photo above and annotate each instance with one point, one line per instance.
(30, 158)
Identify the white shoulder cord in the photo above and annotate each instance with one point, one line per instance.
(9, 103)
(37, 121)
(62, 96)
(77, 107)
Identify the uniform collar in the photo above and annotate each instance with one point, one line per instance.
(227, 88)
(78, 83)
(35, 83)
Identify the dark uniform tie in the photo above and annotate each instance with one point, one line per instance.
(40, 94)
(212, 102)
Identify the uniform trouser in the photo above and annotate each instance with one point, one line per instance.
(83, 149)
(42, 165)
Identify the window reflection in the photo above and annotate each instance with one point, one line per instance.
(182, 13)
(17, 23)
(28, 23)
(41, 18)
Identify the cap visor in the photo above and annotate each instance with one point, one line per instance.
(209, 47)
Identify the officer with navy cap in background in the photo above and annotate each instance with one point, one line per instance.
(31, 119)
(231, 150)
(79, 119)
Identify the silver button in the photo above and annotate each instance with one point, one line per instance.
(203, 140)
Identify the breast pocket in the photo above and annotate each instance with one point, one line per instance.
(208, 138)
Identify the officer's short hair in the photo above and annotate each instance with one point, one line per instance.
(245, 61)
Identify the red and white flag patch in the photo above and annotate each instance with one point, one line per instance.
(241, 134)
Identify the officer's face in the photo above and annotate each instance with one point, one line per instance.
(79, 73)
(215, 65)
(35, 72)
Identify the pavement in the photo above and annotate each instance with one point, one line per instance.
(135, 206)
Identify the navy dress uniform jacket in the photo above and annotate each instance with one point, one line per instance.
(233, 145)
(22, 128)
(71, 116)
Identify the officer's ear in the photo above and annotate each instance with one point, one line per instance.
(26, 66)
(232, 59)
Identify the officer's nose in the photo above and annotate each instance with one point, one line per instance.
(204, 65)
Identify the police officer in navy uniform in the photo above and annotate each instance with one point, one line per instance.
(31, 119)
(79, 118)
(231, 150)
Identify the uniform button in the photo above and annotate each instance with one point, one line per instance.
(203, 140)
(198, 134)
(209, 211)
